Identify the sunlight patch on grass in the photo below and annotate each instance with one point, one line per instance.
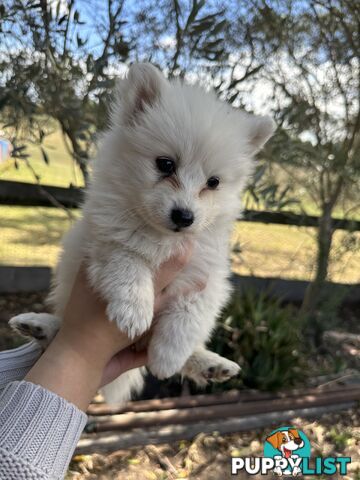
(32, 236)
(289, 252)
(61, 170)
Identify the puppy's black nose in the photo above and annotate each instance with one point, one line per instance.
(298, 441)
(182, 218)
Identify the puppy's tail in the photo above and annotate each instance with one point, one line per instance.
(122, 388)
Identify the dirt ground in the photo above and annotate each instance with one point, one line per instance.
(207, 457)
(12, 304)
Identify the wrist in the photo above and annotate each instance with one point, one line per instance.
(82, 348)
(97, 340)
(68, 373)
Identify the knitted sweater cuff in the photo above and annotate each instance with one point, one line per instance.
(39, 428)
(15, 363)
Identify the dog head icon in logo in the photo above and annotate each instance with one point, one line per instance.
(287, 443)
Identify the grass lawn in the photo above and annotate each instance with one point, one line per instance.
(31, 236)
(289, 252)
(61, 170)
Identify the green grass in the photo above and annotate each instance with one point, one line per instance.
(61, 170)
(289, 252)
(31, 236)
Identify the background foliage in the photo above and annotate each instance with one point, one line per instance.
(264, 337)
(298, 60)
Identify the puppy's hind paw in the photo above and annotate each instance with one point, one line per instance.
(205, 366)
(41, 327)
(164, 360)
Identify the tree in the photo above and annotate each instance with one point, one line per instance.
(314, 73)
(51, 69)
(60, 60)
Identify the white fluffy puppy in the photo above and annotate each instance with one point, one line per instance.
(169, 168)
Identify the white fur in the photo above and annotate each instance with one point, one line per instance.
(126, 231)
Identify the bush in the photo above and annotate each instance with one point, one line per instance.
(264, 337)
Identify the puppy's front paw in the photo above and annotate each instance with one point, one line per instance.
(205, 366)
(39, 326)
(132, 319)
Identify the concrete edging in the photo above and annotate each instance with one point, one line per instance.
(33, 279)
(24, 279)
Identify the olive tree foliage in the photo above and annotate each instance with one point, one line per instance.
(59, 60)
(313, 74)
(50, 69)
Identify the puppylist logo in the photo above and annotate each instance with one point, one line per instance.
(287, 453)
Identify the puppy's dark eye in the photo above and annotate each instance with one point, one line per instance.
(166, 165)
(213, 182)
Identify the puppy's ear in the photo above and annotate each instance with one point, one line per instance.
(140, 89)
(263, 128)
(258, 130)
(274, 439)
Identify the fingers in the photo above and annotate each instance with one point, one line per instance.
(125, 360)
(163, 298)
(169, 269)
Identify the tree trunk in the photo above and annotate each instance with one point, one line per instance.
(314, 292)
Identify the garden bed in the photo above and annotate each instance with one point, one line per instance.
(207, 456)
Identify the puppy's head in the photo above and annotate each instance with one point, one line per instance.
(286, 441)
(184, 154)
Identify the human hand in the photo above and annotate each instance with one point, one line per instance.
(86, 328)
(90, 351)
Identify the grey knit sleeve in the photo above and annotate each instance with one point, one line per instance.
(15, 363)
(38, 432)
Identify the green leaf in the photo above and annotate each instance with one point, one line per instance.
(58, 6)
(196, 7)
(80, 42)
(219, 27)
(45, 156)
(62, 19)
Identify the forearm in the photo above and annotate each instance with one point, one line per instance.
(38, 432)
(40, 423)
(71, 370)
(41, 419)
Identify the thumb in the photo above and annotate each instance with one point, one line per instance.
(125, 360)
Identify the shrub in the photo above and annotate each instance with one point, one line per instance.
(264, 337)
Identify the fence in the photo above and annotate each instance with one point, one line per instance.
(27, 194)
(31, 237)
